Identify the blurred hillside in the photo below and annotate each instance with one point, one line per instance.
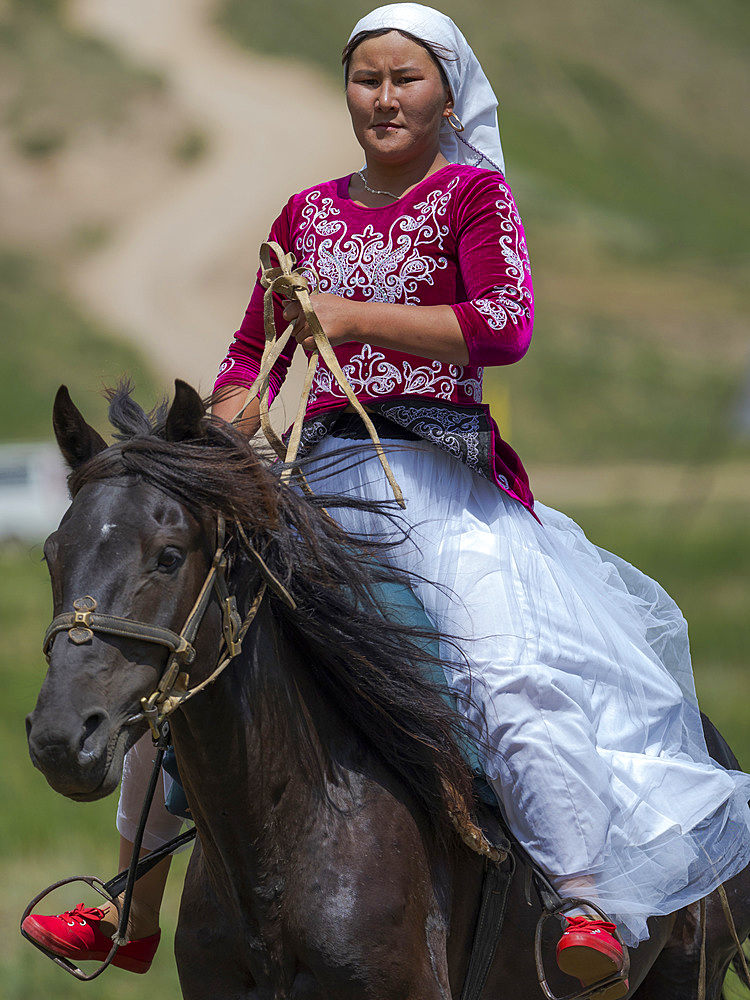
(154, 200)
(626, 148)
(84, 136)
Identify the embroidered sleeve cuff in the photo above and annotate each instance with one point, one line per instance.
(496, 331)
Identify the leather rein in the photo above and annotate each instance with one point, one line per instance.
(173, 688)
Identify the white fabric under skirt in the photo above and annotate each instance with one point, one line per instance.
(581, 668)
(161, 825)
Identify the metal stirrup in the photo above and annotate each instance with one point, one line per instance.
(122, 881)
(569, 903)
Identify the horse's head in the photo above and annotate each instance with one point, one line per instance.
(142, 555)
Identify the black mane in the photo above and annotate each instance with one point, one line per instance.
(372, 670)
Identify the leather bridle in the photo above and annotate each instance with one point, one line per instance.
(173, 688)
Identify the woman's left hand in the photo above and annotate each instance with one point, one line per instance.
(337, 317)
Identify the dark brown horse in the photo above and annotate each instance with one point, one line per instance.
(316, 766)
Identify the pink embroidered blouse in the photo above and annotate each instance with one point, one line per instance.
(455, 239)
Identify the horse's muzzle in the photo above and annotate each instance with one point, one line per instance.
(73, 753)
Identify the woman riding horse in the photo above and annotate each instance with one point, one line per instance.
(579, 679)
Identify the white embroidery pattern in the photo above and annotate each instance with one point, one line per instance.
(514, 298)
(313, 431)
(383, 267)
(390, 267)
(368, 373)
(457, 433)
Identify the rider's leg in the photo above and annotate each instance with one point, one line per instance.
(580, 680)
(148, 893)
(161, 826)
(85, 933)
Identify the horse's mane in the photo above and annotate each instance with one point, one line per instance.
(374, 671)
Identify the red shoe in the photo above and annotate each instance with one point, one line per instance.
(589, 951)
(76, 934)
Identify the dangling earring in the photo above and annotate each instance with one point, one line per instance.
(454, 121)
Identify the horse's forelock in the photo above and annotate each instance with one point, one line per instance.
(128, 418)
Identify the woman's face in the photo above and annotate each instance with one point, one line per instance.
(396, 99)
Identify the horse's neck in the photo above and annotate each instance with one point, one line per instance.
(249, 749)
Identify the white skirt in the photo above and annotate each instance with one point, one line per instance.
(579, 677)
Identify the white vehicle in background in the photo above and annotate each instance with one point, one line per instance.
(33, 491)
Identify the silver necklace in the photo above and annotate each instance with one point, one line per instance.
(390, 194)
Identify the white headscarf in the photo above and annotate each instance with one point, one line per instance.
(474, 100)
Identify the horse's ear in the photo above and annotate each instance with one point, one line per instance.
(184, 420)
(78, 442)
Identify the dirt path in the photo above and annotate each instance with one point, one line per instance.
(176, 276)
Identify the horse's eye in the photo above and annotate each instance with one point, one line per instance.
(169, 559)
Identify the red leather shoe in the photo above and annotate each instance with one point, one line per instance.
(77, 934)
(589, 951)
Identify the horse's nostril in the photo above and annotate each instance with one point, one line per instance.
(28, 726)
(87, 746)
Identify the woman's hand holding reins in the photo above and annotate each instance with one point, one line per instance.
(338, 317)
(427, 331)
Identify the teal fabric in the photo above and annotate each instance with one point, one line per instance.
(176, 800)
(401, 604)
